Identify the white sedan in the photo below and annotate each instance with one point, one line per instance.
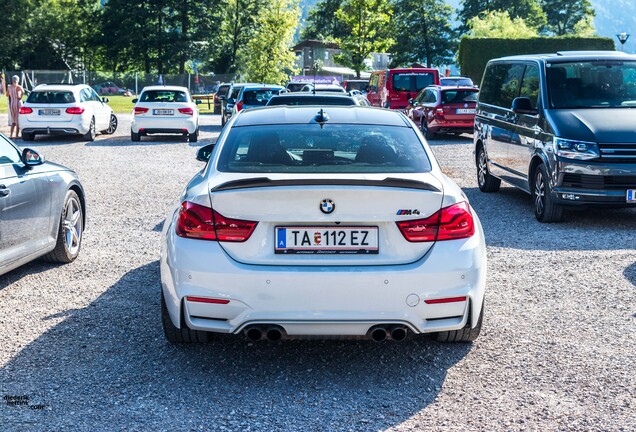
(66, 109)
(165, 110)
(322, 223)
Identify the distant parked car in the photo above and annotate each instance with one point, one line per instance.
(42, 206)
(296, 86)
(165, 110)
(392, 88)
(356, 84)
(220, 95)
(456, 81)
(109, 88)
(440, 109)
(254, 95)
(65, 109)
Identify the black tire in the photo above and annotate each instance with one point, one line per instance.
(28, 136)
(112, 125)
(485, 180)
(70, 231)
(545, 209)
(179, 335)
(427, 134)
(466, 334)
(90, 135)
(194, 137)
(135, 136)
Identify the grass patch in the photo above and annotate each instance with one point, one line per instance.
(4, 105)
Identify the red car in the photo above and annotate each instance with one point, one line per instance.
(440, 109)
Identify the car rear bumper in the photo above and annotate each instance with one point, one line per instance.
(164, 125)
(320, 300)
(452, 126)
(52, 131)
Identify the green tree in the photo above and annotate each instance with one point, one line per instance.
(423, 32)
(369, 24)
(268, 57)
(529, 10)
(322, 22)
(500, 25)
(563, 16)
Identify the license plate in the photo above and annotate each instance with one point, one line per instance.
(631, 195)
(162, 112)
(326, 240)
(49, 112)
(465, 111)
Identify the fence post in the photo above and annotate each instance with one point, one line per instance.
(189, 88)
(84, 77)
(136, 89)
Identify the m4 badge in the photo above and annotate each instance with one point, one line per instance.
(408, 212)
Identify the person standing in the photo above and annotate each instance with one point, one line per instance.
(15, 92)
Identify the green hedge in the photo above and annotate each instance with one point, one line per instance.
(474, 53)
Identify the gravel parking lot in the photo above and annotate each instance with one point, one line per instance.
(83, 342)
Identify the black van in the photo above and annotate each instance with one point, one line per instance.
(561, 127)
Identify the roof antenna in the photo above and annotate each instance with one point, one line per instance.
(321, 118)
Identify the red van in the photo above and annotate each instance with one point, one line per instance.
(392, 88)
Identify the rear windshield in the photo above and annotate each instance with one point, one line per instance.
(412, 81)
(312, 100)
(456, 81)
(333, 148)
(258, 97)
(235, 92)
(51, 97)
(592, 84)
(458, 96)
(223, 90)
(294, 87)
(362, 86)
(163, 96)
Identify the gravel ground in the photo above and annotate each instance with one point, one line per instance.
(84, 341)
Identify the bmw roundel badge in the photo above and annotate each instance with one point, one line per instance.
(327, 206)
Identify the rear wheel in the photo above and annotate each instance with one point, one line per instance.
(545, 209)
(179, 335)
(69, 234)
(135, 136)
(112, 125)
(194, 137)
(28, 136)
(90, 135)
(486, 182)
(466, 334)
(427, 134)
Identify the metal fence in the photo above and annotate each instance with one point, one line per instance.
(109, 83)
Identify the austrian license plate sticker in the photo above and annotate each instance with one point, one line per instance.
(631, 195)
(326, 240)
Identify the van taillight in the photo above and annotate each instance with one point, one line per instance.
(200, 222)
(450, 223)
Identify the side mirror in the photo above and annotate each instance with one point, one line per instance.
(135, 100)
(204, 153)
(412, 101)
(31, 158)
(198, 102)
(105, 100)
(522, 105)
(231, 101)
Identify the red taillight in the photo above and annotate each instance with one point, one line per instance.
(445, 300)
(239, 105)
(74, 110)
(450, 223)
(188, 111)
(206, 300)
(140, 110)
(200, 222)
(25, 110)
(439, 112)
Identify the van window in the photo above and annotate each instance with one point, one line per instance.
(412, 81)
(501, 84)
(530, 85)
(373, 82)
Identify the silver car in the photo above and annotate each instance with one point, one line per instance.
(42, 209)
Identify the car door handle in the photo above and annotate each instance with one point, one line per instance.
(4, 191)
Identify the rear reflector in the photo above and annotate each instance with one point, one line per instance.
(74, 110)
(25, 110)
(207, 300)
(188, 111)
(200, 222)
(140, 110)
(445, 300)
(450, 223)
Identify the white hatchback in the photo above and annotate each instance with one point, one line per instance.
(66, 109)
(165, 110)
(312, 222)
